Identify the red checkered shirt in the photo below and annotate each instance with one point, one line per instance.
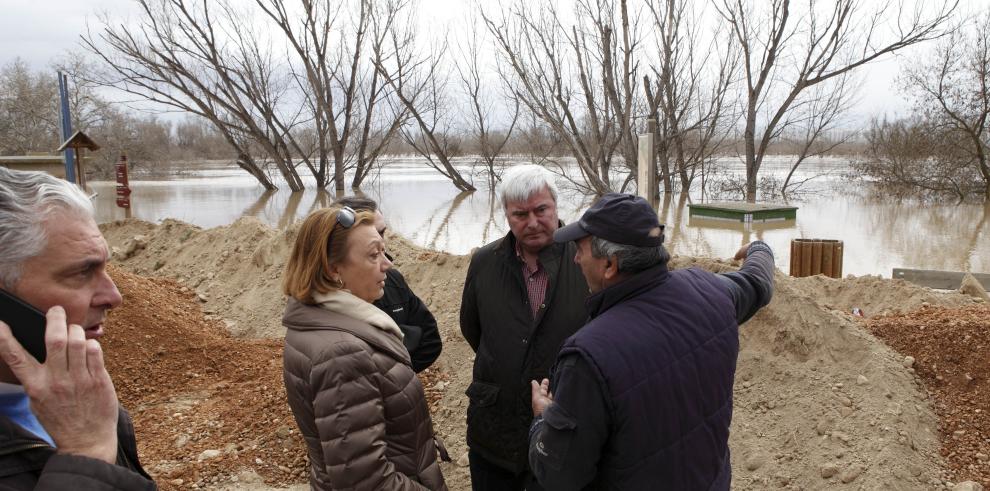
(536, 283)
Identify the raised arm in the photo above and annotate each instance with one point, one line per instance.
(751, 287)
(74, 400)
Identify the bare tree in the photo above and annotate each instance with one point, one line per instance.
(827, 103)
(178, 55)
(579, 79)
(342, 90)
(915, 156)
(785, 53)
(29, 118)
(482, 113)
(422, 88)
(952, 88)
(320, 104)
(687, 97)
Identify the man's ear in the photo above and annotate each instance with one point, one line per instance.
(611, 268)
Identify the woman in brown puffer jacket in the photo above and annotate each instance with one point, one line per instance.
(348, 377)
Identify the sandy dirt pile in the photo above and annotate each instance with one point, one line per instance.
(820, 402)
(949, 350)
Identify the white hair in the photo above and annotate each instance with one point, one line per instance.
(27, 199)
(521, 182)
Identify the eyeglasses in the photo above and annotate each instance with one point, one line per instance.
(345, 218)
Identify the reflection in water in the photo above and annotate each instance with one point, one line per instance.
(974, 238)
(423, 207)
(259, 205)
(491, 226)
(444, 227)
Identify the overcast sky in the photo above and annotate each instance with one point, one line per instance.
(41, 30)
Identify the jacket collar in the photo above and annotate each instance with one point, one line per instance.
(645, 280)
(302, 317)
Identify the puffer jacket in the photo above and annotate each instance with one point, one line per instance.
(357, 401)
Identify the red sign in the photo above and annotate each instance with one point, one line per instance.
(123, 191)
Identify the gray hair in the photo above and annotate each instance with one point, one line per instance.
(521, 182)
(631, 259)
(27, 199)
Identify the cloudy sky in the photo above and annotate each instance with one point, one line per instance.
(41, 30)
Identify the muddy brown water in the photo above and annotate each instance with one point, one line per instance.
(424, 207)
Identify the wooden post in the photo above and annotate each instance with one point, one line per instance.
(646, 176)
(795, 258)
(816, 258)
(80, 173)
(805, 257)
(828, 249)
(837, 260)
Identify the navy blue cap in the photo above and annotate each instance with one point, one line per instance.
(620, 218)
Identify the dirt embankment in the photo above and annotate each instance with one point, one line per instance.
(820, 403)
(949, 348)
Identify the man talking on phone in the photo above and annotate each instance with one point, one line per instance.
(61, 426)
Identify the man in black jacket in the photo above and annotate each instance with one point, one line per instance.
(641, 396)
(522, 297)
(419, 328)
(60, 424)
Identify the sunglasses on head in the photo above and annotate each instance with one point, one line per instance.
(345, 218)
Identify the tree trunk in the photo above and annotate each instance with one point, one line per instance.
(752, 165)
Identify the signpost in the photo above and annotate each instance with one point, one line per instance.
(123, 190)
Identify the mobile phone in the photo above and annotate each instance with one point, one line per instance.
(26, 323)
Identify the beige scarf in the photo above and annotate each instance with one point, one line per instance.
(345, 303)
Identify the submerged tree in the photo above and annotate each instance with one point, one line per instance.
(581, 79)
(483, 103)
(321, 103)
(784, 53)
(951, 85)
(689, 93)
(913, 156)
(422, 89)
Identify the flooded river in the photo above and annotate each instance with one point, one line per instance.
(423, 206)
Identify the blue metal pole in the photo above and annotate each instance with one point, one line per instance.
(63, 93)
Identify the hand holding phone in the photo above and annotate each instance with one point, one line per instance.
(71, 392)
(26, 322)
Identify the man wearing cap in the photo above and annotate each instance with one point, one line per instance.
(641, 396)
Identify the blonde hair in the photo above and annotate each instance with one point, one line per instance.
(308, 269)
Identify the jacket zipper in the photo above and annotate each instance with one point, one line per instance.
(21, 448)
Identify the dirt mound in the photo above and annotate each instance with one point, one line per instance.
(235, 269)
(949, 348)
(820, 402)
(205, 405)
